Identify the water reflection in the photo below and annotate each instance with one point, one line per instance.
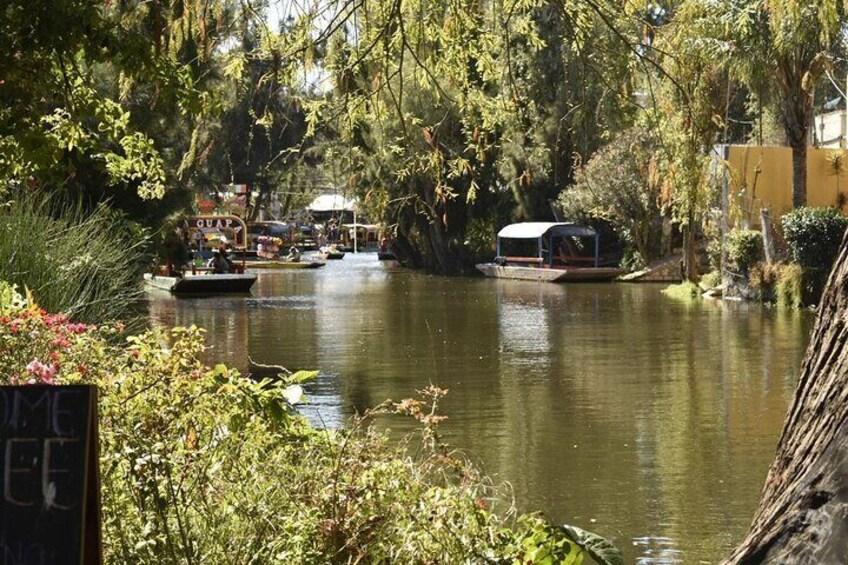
(610, 407)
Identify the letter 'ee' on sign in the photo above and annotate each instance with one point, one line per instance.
(49, 480)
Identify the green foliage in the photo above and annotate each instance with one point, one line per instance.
(74, 261)
(744, 249)
(203, 464)
(711, 279)
(813, 236)
(790, 286)
(616, 185)
(451, 113)
(686, 291)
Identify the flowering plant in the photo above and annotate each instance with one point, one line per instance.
(37, 347)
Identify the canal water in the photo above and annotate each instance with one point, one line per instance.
(607, 406)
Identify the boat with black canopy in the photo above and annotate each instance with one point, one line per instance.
(550, 252)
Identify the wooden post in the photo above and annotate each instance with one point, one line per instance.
(768, 235)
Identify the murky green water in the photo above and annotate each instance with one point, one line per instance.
(610, 407)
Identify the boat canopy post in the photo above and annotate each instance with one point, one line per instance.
(540, 246)
(355, 232)
(597, 248)
(499, 247)
(551, 258)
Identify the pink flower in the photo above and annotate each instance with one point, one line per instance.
(61, 342)
(44, 373)
(55, 319)
(77, 328)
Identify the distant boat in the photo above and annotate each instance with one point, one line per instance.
(281, 264)
(549, 252)
(330, 252)
(202, 283)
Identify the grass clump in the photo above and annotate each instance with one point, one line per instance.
(76, 261)
(687, 291)
(790, 286)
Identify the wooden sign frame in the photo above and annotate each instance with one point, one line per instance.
(49, 475)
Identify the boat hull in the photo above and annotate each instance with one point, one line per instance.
(567, 274)
(332, 256)
(202, 284)
(386, 256)
(271, 264)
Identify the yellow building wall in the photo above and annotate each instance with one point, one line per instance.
(762, 177)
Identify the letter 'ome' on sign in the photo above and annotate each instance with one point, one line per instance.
(49, 481)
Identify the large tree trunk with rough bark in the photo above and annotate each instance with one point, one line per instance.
(803, 511)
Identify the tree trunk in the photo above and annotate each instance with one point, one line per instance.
(439, 239)
(799, 173)
(690, 252)
(803, 512)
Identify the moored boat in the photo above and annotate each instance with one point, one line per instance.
(330, 252)
(221, 276)
(202, 283)
(282, 264)
(549, 252)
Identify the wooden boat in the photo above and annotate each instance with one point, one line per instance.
(202, 283)
(282, 264)
(386, 256)
(557, 257)
(330, 252)
(566, 274)
(198, 280)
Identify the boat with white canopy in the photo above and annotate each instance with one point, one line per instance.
(551, 252)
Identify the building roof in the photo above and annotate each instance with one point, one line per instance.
(332, 203)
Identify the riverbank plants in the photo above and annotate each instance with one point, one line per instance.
(202, 464)
(77, 261)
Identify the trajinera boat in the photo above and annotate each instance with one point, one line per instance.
(550, 252)
(329, 252)
(282, 264)
(195, 280)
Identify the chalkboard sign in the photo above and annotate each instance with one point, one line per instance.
(48, 475)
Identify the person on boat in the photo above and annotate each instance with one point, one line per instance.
(384, 244)
(220, 263)
(294, 255)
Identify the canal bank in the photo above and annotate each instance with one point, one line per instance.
(607, 406)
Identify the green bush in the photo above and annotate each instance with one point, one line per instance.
(813, 236)
(83, 263)
(744, 249)
(616, 185)
(790, 286)
(201, 464)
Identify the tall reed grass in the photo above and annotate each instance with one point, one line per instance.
(77, 261)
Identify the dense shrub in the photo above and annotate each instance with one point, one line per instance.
(80, 262)
(813, 236)
(203, 465)
(744, 249)
(615, 185)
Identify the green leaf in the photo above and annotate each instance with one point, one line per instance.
(601, 549)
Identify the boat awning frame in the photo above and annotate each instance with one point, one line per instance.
(541, 231)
